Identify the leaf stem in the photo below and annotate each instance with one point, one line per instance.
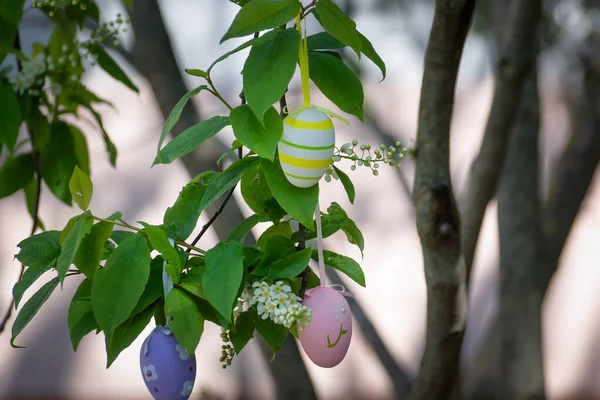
(216, 93)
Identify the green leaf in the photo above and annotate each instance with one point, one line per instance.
(226, 180)
(183, 216)
(69, 247)
(290, 266)
(347, 183)
(176, 113)
(126, 333)
(160, 242)
(81, 150)
(352, 232)
(106, 62)
(269, 69)
(259, 15)
(15, 174)
(282, 228)
(31, 307)
(276, 248)
(330, 224)
(245, 325)
(343, 264)
(81, 188)
(262, 139)
(190, 139)
(154, 287)
(119, 285)
(300, 203)
(336, 23)
(81, 319)
(30, 198)
(223, 276)
(323, 41)
(232, 52)
(368, 50)
(196, 72)
(58, 160)
(239, 234)
(255, 189)
(273, 334)
(192, 282)
(119, 236)
(110, 146)
(10, 15)
(39, 250)
(10, 117)
(91, 250)
(337, 82)
(187, 323)
(29, 277)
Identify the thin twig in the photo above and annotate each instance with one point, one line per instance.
(212, 220)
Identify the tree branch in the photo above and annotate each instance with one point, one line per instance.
(521, 254)
(438, 222)
(517, 54)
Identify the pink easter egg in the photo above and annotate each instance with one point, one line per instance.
(327, 338)
(169, 371)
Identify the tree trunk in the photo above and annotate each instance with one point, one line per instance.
(438, 222)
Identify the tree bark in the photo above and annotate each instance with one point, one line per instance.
(438, 222)
(517, 55)
(521, 254)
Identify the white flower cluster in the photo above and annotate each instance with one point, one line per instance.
(278, 303)
(34, 71)
(53, 4)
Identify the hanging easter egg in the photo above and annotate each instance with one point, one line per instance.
(327, 338)
(168, 370)
(306, 147)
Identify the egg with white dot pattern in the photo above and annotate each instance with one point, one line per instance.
(168, 370)
(306, 147)
(326, 339)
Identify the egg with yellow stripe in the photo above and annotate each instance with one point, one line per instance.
(306, 147)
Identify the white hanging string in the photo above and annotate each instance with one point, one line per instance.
(322, 274)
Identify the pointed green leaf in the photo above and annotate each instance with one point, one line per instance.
(196, 72)
(10, 117)
(118, 286)
(39, 250)
(223, 276)
(81, 150)
(338, 24)
(269, 69)
(31, 307)
(226, 180)
(273, 334)
(343, 264)
(190, 139)
(245, 325)
(81, 319)
(69, 247)
(282, 228)
(243, 229)
(160, 242)
(232, 52)
(337, 82)
(126, 333)
(58, 160)
(250, 131)
(300, 203)
(176, 113)
(183, 216)
(259, 15)
(186, 323)
(192, 282)
(91, 250)
(15, 174)
(154, 287)
(255, 189)
(106, 62)
(368, 50)
(347, 183)
(81, 188)
(323, 41)
(291, 266)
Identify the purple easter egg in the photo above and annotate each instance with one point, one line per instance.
(168, 370)
(327, 338)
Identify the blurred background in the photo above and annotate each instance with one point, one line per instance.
(168, 36)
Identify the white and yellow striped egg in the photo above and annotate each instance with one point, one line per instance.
(306, 147)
